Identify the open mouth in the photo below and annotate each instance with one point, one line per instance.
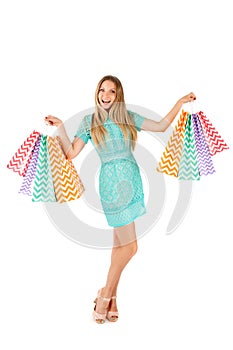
(106, 101)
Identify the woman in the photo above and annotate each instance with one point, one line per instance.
(113, 132)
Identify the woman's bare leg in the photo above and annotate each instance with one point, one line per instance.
(124, 248)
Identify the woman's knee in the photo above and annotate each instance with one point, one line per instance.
(133, 248)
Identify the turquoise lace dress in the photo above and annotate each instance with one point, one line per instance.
(120, 184)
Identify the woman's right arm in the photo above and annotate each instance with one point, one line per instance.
(71, 149)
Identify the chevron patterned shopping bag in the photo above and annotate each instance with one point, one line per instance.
(169, 163)
(21, 159)
(215, 141)
(26, 187)
(188, 154)
(188, 168)
(47, 175)
(67, 184)
(205, 163)
(43, 190)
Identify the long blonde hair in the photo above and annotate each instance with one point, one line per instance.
(118, 114)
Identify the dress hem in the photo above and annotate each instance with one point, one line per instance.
(138, 214)
(127, 223)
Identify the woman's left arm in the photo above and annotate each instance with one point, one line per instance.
(163, 124)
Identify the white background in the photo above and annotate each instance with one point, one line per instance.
(176, 293)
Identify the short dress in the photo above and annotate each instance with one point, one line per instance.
(120, 183)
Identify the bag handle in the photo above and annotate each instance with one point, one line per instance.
(46, 129)
(193, 107)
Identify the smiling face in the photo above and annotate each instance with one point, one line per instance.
(107, 94)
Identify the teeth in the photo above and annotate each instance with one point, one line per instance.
(106, 101)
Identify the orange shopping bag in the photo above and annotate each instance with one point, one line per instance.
(66, 181)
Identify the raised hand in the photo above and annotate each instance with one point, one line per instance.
(54, 121)
(188, 98)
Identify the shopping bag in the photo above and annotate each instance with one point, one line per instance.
(169, 163)
(188, 167)
(43, 189)
(21, 159)
(26, 186)
(48, 176)
(66, 181)
(205, 162)
(193, 143)
(215, 141)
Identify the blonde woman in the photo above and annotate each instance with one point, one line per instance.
(112, 130)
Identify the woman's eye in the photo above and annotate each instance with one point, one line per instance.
(101, 90)
(113, 91)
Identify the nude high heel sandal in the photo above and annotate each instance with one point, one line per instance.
(100, 318)
(112, 316)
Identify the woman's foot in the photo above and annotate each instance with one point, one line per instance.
(101, 308)
(112, 314)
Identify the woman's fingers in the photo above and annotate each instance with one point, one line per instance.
(51, 120)
(189, 98)
(192, 96)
